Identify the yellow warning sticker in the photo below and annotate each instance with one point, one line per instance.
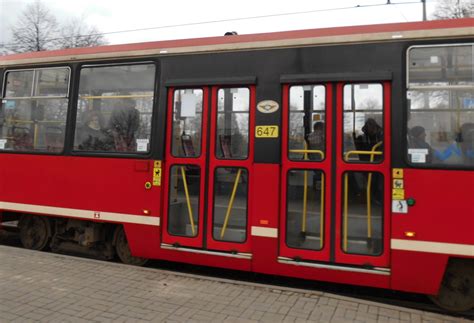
(397, 183)
(157, 173)
(398, 194)
(397, 173)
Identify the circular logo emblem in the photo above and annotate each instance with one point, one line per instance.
(267, 106)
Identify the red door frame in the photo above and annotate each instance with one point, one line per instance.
(208, 163)
(325, 166)
(197, 241)
(216, 163)
(382, 260)
(383, 167)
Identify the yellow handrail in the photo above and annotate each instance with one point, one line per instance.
(231, 202)
(372, 154)
(307, 151)
(188, 200)
(369, 188)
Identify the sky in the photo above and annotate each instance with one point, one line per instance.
(119, 15)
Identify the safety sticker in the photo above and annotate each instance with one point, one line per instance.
(398, 183)
(399, 206)
(397, 173)
(398, 194)
(157, 173)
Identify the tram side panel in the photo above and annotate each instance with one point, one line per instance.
(441, 224)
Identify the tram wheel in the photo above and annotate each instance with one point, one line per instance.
(456, 293)
(123, 251)
(35, 232)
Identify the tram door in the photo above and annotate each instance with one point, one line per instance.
(336, 173)
(208, 166)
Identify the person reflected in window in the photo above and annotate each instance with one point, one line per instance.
(417, 137)
(124, 124)
(372, 134)
(93, 136)
(316, 141)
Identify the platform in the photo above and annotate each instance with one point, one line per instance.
(46, 287)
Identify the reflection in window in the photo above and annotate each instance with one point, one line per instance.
(441, 65)
(187, 123)
(183, 211)
(233, 123)
(362, 213)
(441, 116)
(115, 108)
(307, 130)
(363, 122)
(305, 209)
(230, 204)
(34, 109)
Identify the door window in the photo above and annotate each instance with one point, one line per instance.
(363, 123)
(233, 123)
(306, 140)
(230, 204)
(187, 123)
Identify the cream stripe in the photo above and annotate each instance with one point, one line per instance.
(265, 232)
(435, 247)
(83, 214)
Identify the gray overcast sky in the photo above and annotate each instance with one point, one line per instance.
(117, 15)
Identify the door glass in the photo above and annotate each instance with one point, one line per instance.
(183, 214)
(187, 123)
(362, 213)
(363, 123)
(233, 123)
(306, 139)
(230, 204)
(305, 209)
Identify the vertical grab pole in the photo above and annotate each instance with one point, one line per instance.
(305, 193)
(369, 189)
(231, 202)
(188, 200)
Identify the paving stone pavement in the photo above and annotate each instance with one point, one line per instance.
(46, 287)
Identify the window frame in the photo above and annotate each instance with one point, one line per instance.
(5, 78)
(324, 111)
(202, 89)
(407, 110)
(383, 156)
(69, 97)
(248, 112)
(75, 103)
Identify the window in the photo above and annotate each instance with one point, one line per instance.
(233, 123)
(363, 123)
(187, 123)
(307, 140)
(115, 107)
(441, 105)
(34, 109)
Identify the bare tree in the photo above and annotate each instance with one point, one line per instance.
(35, 29)
(451, 9)
(76, 34)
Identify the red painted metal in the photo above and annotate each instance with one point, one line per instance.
(323, 32)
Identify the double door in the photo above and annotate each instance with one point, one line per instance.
(208, 168)
(336, 173)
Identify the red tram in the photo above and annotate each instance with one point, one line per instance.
(340, 154)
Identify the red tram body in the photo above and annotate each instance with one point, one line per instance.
(221, 169)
